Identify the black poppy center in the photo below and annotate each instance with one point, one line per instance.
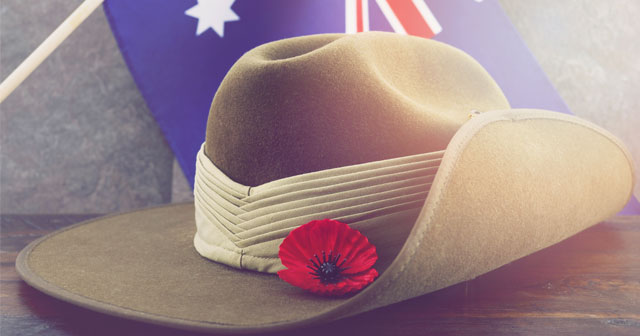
(328, 269)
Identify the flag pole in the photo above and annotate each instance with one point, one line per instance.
(47, 47)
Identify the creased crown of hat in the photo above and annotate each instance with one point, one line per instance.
(318, 102)
(383, 106)
(408, 140)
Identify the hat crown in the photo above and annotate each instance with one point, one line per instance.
(324, 101)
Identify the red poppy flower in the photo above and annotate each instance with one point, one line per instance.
(327, 257)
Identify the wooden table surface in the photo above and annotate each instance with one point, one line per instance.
(588, 284)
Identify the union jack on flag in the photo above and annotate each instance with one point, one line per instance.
(179, 52)
(411, 17)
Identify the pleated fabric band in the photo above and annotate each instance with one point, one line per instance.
(243, 226)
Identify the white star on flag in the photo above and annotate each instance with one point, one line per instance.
(212, 14)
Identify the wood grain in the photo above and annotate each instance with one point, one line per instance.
(588, 284)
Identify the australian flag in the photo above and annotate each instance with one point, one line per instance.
(179, 51)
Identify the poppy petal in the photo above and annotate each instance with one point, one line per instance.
(327, 257)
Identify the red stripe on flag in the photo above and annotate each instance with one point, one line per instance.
(410, 18)
(359, 22)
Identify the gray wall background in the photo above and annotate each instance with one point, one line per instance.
(77, 137)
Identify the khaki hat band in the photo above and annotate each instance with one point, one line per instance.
(233, 219)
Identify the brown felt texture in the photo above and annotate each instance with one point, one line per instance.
(145, 261)
(317, 102)
(526, 180)
(510, 183)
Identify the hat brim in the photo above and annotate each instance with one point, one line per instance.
(142, 265)
(510, 183)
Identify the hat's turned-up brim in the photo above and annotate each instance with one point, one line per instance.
(510, 183)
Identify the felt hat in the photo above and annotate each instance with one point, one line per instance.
(408, 141)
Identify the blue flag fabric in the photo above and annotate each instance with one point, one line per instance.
(179, 51)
